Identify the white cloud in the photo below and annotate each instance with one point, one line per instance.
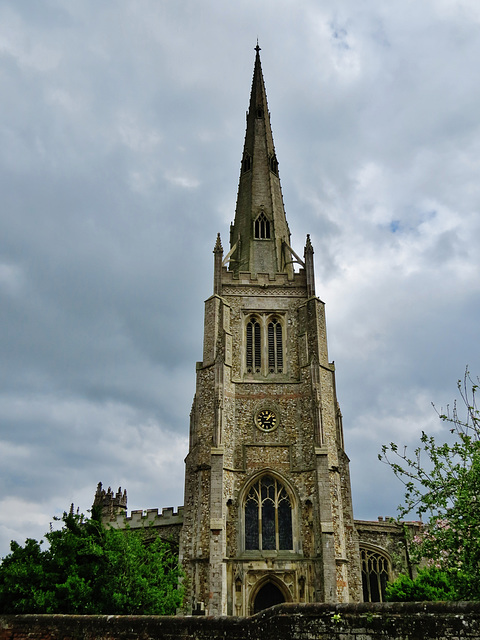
(184, 181)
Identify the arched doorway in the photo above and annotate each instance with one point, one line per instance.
(267, 596)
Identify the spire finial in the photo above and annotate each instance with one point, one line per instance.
(257, 48)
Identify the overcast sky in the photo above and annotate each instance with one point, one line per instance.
(121, 134)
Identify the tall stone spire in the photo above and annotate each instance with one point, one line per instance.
(260, 231)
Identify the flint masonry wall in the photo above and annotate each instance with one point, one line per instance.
(393, 621)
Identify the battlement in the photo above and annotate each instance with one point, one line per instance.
(149, 518)
(111, 504)
(263, 279)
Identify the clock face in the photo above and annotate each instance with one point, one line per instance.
(266, 420)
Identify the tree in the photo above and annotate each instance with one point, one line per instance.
(430, 584)
(442, 482)
(91, 569)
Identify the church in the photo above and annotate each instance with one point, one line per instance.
(268, 515)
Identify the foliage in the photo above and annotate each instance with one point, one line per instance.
(430, 584)
(91, 569)
(442, 482)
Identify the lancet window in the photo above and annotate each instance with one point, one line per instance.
(262, 227)
(275, 347)
(273, 164)
(375, 573)
(254, 346)
(246, 163)
(264, 344)
(268, 516)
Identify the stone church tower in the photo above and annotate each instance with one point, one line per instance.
(268, 511)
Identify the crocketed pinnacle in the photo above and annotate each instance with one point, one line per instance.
(218, 245)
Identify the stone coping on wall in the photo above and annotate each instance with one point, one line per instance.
(375, 621)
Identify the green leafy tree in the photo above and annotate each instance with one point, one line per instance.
(442, 485)
(430, 584)
(91, 569)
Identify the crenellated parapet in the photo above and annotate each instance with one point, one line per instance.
(167, 516)
(263, 279)
(112, 504)
(167, 523)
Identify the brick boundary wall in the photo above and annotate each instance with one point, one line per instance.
(392, 621)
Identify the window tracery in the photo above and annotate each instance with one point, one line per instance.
(264, 344)
(375, 574)
(262, 227)
(268, 516)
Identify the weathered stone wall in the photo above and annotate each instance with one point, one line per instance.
(394, 621)
(388, 536)
(228, 453)
(167, 524)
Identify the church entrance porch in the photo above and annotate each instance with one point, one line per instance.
(268, 592)
(268, 596)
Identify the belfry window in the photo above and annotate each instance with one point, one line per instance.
(375, 572)
(268, 516)
(254, 346)
(246, 163)
(275, 347)
(262, 227)
(264, 345)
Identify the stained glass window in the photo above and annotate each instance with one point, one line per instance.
(251, 522)
(268, 516)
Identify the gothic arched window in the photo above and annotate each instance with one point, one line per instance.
(375, 572)
(254, 346)
(275, 347)
(262, 227)
(268, 516)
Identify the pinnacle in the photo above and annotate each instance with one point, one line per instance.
(308, 245)
(218, 245)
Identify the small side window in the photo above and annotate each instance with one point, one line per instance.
(274, 164)
(262, 227)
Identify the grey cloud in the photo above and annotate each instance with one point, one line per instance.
(120, 143)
